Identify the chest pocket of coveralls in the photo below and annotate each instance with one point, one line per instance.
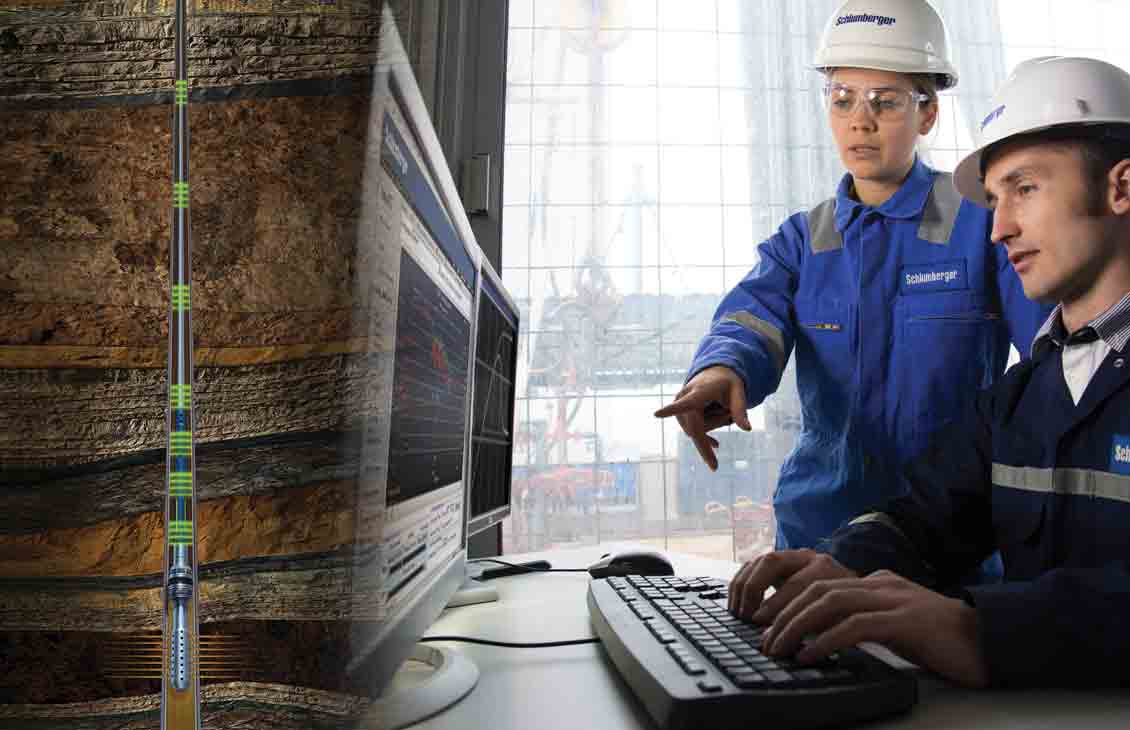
(946, 343)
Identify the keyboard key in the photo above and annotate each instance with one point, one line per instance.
(709, 685)
(778, 676)
(693, 668)
(750, 681)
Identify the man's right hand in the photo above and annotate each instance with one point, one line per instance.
(790, 572)
(711, 399)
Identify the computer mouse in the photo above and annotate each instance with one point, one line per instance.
(631, 562)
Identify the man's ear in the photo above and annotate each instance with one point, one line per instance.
(1119, 186)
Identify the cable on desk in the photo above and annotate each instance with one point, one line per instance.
(527, 568)
(469, 640)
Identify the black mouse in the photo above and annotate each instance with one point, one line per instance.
(631, 562)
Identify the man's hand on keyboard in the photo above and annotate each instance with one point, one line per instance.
(925, 627)
(790, 572)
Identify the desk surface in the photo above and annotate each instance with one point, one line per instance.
(564, 688)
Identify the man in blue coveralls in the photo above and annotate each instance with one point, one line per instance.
(1039, 467)
(891, 292)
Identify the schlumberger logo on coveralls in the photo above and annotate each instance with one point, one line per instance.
(865, 18)
(1120, 454)
(939, 276)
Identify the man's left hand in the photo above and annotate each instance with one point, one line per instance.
(925, 627)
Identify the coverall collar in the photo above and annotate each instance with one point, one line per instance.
(907, 202)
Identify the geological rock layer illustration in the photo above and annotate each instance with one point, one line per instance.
(284, 366)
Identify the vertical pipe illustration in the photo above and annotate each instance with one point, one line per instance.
(180, 694)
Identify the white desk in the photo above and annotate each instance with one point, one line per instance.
(565, 688)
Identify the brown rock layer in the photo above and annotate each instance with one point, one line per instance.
(274, 198)
(39, 500)
(64, 324)
(246, 705)
(310, 587)
(61, 417)
(83, 666)
(303, 520)
(53, 50)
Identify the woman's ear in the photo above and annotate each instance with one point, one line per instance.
(1119, 187)
(928, 116)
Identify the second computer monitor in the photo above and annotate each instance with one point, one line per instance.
(492, 415)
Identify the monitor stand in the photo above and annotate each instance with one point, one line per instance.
(473, 590)
(415, 695)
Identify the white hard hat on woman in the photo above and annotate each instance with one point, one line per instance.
(905, 36)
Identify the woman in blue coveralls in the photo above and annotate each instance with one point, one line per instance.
(896, 301)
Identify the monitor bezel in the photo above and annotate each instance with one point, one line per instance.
(394, 83)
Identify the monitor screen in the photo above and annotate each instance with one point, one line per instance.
(492, 418)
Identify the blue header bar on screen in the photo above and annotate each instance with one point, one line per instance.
(401, 165)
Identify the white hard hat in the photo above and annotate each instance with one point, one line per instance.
(907, 36)
(1041, 93)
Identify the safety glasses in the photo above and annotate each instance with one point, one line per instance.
(885, 104)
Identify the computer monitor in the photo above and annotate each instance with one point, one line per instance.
(492, 417)
(422, 267)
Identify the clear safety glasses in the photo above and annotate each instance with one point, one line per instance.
(886, 104)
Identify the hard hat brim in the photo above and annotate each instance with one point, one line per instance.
(897, 60)
(967, 174)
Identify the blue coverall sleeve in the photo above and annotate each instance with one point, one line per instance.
(1022, 316)
(752, 331)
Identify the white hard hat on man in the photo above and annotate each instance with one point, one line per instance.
(904, 36)
(1046, 93)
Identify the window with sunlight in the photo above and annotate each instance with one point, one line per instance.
(650, 146)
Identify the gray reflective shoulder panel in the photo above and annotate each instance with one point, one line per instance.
(822, 233)
(940, 211)
(773, 337)
(1078, 482)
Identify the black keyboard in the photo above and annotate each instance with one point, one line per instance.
(694, 665)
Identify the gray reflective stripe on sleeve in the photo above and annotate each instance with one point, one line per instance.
(1077, 482)
(940, 211)
(773, 337)
(822, 233)
(883, 519)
